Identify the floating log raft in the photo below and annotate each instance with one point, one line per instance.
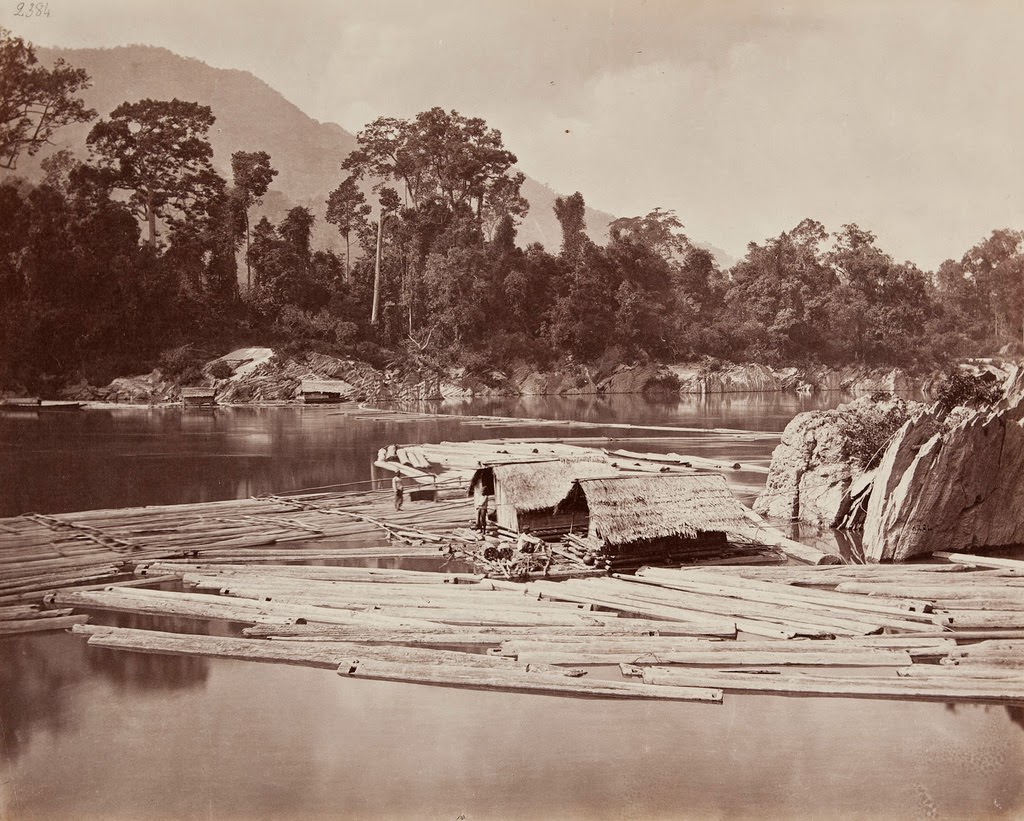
(42, 553)
(89, 549)
(700, 629)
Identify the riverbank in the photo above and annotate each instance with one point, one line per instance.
(262, 375)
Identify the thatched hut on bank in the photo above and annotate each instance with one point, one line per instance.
(525, 493)
(659, 515)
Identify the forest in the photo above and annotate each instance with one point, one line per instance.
(145, 256)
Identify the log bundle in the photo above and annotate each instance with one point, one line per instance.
(693, 634)
(92, 549)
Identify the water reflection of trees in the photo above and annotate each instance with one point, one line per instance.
(153, 671)
(36, 675)
(147, 671)
(40, 675)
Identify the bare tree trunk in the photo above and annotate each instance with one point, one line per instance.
(151, 221)
(248, 267)
(376, 271)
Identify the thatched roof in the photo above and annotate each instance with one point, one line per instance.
(625, 509)
(542, 484)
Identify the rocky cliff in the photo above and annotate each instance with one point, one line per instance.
(760, 378)
(951, 483)
(825, 456)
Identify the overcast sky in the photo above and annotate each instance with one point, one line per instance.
(744, 117)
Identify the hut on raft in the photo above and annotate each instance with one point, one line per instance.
(660, 517)
(525, 493)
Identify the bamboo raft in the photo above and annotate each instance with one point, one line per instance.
(695, 634)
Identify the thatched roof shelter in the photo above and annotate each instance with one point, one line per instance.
(524, 488)
(629, 509)
(541, 483)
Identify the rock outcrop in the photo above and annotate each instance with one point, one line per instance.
(755, 378)
(751, 378)
(823, 454)
(943, 486)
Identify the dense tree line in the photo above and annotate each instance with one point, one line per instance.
(108, 264)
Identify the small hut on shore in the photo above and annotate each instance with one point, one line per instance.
(655, 517)
(525, 493)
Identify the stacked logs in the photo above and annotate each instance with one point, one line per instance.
(690, 634)
(39, 554)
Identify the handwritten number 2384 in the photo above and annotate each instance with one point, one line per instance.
(32, 10)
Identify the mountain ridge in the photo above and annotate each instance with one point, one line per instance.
(253, 116)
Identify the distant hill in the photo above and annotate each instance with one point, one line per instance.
(251, 116)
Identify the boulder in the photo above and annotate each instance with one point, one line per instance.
(953, 483)
(822, 454)
(651, 379)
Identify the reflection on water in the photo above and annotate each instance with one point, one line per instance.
(92, 733)
(123, 457)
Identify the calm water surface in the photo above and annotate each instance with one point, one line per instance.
(94, 734)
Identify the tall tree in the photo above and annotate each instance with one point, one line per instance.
(158, 150)
(438, 155)
(571, 212)
(660, 230)
(346, 209)
(996, 265)
(35, 101)
(389, 202)
(251, 177)
(781, 296)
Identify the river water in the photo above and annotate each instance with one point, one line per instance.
(94, 734)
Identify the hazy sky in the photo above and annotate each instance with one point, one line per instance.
(744, 117)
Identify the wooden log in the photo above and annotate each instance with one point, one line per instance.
(373, 593)
(799, 618)
(698, 622)
(732, 658)
(668, 644)
(986, 619)
(196, 605)
(857, 607)
(1016, 565)
(993, 647)
(970, 635)
(144, 582)
(832, 575)
(1003, 691)
(959, 672)
(761, 533)
(496, 611)
(312, 654)
(514, 681)
(475, 617)
(31, 612)
(486, 634)
(368, 575)
(1016, 661)
(12, 627)
(994, 591)
(953, 605)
